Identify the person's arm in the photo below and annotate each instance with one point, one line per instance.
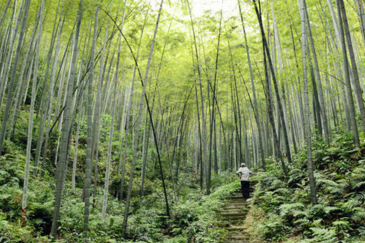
(250, 173)
(239, 173)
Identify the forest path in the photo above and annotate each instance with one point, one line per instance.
(232, 218)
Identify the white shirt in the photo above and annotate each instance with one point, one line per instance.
(246, 173)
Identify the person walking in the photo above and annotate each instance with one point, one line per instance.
(244, 173)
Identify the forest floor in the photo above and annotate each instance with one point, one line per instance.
(232, 219)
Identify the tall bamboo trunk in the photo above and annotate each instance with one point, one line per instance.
(273, 75)
(209, 174)
(138, 122)
(31, 111)
(322, 106)
(346, 75)
(270, 112)
(302, 7)
(13, 75)
(111, 126)
(66, 128)
(257, 119)
(356, 80)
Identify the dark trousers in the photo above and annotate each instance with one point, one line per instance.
(245, 186)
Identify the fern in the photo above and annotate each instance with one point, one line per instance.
(3, 224)
(285, 208)
(360, 196)
(282, 191)
(336, 190)
(318, 207)
(319, 231)
(358, 174)
(325, 181)
(317, 223)
(278, 199)
(302, 222)
(297, 213)
(359, 185)
(349, 205)
(324, 235)
(343, 224)
(359, 214)
(329, 209)
(277, 184)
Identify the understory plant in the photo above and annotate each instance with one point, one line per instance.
(281, 207)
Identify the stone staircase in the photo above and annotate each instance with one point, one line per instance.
(232, 217)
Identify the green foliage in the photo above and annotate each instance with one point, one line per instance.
(196, 216)
(274, 228)
(339, 188)
(192, 214)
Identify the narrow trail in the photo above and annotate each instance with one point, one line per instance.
(232, 218)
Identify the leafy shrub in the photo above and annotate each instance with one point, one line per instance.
(339, 175)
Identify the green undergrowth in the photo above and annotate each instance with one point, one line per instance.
(192, 216)
(192, 212)
(282, 211)
(194, 219)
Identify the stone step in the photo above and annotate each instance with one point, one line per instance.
(233, 217)
(224, 214)
(240, 241)
(234, 198)
(236, 241)
(238, 236)
(235, 228)
(232, 211)
(232, 214)
(235, 207)
(238, 206)
(238, 201)
(238, 198)
(223, 224)
(232, 222)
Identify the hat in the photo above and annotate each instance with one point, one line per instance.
(243, 165)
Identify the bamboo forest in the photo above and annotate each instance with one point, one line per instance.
(182, 121)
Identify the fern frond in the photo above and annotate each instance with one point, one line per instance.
(302, 222)
(360, 196)
(359, 214)
(282, 191)
(352, 203)
(359, 185)
(297, 213)
(329, 209)
(324, 235)
(337, 190)
(344, 224)
(318, 207)
(317, 223)
(319, 231)
(286, 208)
(325, 181)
